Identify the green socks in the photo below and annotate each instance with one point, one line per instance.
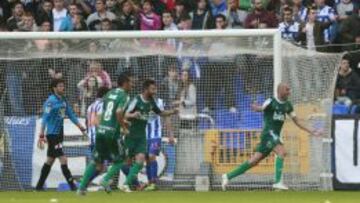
(239, 170)
(279, 164)
(89, 173)
(134, 170)
(113, 170)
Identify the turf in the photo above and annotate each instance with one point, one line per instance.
(182, 197)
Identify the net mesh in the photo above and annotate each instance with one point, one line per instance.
(215, 135)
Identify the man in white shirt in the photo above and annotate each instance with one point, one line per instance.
(289, 28)
(59, 14)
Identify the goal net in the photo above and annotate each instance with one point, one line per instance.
(215, 76)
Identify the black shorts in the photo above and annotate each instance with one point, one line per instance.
(55, 145)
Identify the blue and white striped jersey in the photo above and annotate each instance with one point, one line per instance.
(289, 31)
(301, 15)
(154, 126)
(326, 14)
(93, 111)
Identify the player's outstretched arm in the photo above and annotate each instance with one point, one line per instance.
(256, 107)
(303, 127)
(169, 112)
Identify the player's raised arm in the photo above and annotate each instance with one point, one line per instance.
(260, 108)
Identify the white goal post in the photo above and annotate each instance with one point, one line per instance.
(230, 69)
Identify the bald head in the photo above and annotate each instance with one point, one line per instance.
(283, 91)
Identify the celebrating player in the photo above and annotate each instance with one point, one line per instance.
(138, 114)
(55, 109)
(108, 144)
(275, 110)
(154, 133)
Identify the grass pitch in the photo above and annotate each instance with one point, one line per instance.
(182, 197)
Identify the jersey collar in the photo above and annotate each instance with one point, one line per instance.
(278, 100)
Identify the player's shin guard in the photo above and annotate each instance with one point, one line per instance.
(279, 164)
(69, 178)
(239, 170)
(43, 176)
(134, 170)
(89, 174)
(113, 170)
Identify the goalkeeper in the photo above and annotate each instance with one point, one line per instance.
(275, 110)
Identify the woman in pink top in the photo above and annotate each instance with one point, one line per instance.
(148, 19)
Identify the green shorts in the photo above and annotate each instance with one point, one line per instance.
(268, 142)
(135, 145)
(108, 147)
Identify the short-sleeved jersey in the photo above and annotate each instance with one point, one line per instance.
(154, 126)
(93, 111)
(275, 114)
(146, 109)
(113, 100)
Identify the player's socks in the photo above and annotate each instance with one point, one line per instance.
(69, 178)
(43, 176)
(88, 175)
(149, 171)
(154, 170)
(113, 170)
(239, 170)
(279, 164)
(134, 170)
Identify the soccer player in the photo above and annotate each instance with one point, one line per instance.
(275, 110)
(108, 143)
(93, 115)
(138, 114)
(154, 134)
(55, 109)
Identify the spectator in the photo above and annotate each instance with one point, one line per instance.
(44, 13)
(94, 79)
(347, 84)
(5, 10)
(170, 4)
(128, 19)
(74, 16)
(260, 18)
(326, 14)
(187, 102)
(168, 21)
(289, 28)
(27, 23)
(185, 22)
(349, 29)
(218, 7)
(220, 22)
(201, 17)
(84, 7)
(311, 32)
(94, 20)
(59, 14)
(236, 16)
(300, 11)
(149, 20)
(114, 7)
(345, 9)
(179, 11)
(159, 6)
(15, 19)
(170, 85)
(106, 25)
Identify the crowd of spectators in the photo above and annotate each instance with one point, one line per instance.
(321, 25)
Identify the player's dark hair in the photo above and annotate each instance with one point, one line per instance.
(147, 83)
(102, 91)
(123, 78)
(54, 83)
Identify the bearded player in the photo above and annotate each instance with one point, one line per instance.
(138, 114)
(275, 110)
